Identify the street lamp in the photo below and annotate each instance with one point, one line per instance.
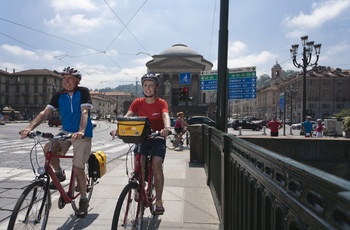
(291, 92)
(306, 61)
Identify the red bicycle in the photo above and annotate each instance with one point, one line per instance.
(137, 195)
(32, 208)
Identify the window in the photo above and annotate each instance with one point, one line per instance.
(326, 94)
(17, 100)
(326, 106)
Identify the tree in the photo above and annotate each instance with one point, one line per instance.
(263, 81)
(343, 113)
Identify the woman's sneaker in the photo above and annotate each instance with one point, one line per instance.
(61, 176)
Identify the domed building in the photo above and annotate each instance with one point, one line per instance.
(170, 64)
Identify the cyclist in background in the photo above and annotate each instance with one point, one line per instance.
(156, 109)
(74, 104)
(180, 128)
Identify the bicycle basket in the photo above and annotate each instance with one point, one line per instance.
(133, 129)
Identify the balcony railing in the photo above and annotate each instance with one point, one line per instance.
(254, 188)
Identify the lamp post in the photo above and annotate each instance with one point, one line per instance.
(306, 61)
(291, 92)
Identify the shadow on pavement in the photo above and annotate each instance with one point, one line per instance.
(74, 222)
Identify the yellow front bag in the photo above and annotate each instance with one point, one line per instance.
(133, 129)
(97, 164)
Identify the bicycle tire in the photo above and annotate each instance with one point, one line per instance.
(90, 183)
(32, 208)
(170, 141)
(128, 213)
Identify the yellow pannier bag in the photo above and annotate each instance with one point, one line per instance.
(133, 129)
(97, 164)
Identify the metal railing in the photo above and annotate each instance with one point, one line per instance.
(254, 188)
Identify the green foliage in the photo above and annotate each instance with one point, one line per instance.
(346, 124)
(263, 81)
(129, 88)
(343, 113)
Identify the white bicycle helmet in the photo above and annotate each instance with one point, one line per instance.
(150, 77)
(71, 71)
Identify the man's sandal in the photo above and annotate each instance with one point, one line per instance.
(159, 208)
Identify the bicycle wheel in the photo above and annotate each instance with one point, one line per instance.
(128, 213)
(90, 183)
(32, 208)
(170, 141)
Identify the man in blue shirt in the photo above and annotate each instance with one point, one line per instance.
(74, 104)
(307, 126)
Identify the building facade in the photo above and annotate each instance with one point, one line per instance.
(28, 91)
(170, 63)
(326, 94)
(24, 94)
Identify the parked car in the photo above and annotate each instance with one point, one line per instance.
(201, 120)
(250, 118)
(55, 121)
(296, 126)
(261, 122)
(94, 123)
(245, 125)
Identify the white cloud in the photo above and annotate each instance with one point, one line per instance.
(10, 67)
(236, 48)
(74, 24)
(18, 51)
(320, 13)
(67, 5)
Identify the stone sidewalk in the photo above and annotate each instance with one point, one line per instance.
(187, 199)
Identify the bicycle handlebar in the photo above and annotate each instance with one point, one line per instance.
(153, 135)
(61, 136)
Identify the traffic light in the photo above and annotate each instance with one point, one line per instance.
(185, 90)
(181, 95)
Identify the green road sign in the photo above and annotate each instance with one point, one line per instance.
(209, 77)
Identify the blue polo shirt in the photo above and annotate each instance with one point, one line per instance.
(307, 126)
(70, 109)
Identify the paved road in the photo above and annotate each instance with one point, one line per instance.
(15, 168)
(187, 198)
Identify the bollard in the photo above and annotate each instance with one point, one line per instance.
(264, 130)
(291, 130)
(240, 131)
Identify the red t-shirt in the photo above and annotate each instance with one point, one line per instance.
(153, 111)
(273, 125)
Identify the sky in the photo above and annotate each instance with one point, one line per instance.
(110, 41)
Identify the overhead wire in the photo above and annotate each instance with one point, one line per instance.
(125, 26)
(60, 57)
(51, 35)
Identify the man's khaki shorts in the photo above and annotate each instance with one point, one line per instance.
(81, 150)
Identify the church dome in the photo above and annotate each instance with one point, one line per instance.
(179, 49)
(277, 66)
